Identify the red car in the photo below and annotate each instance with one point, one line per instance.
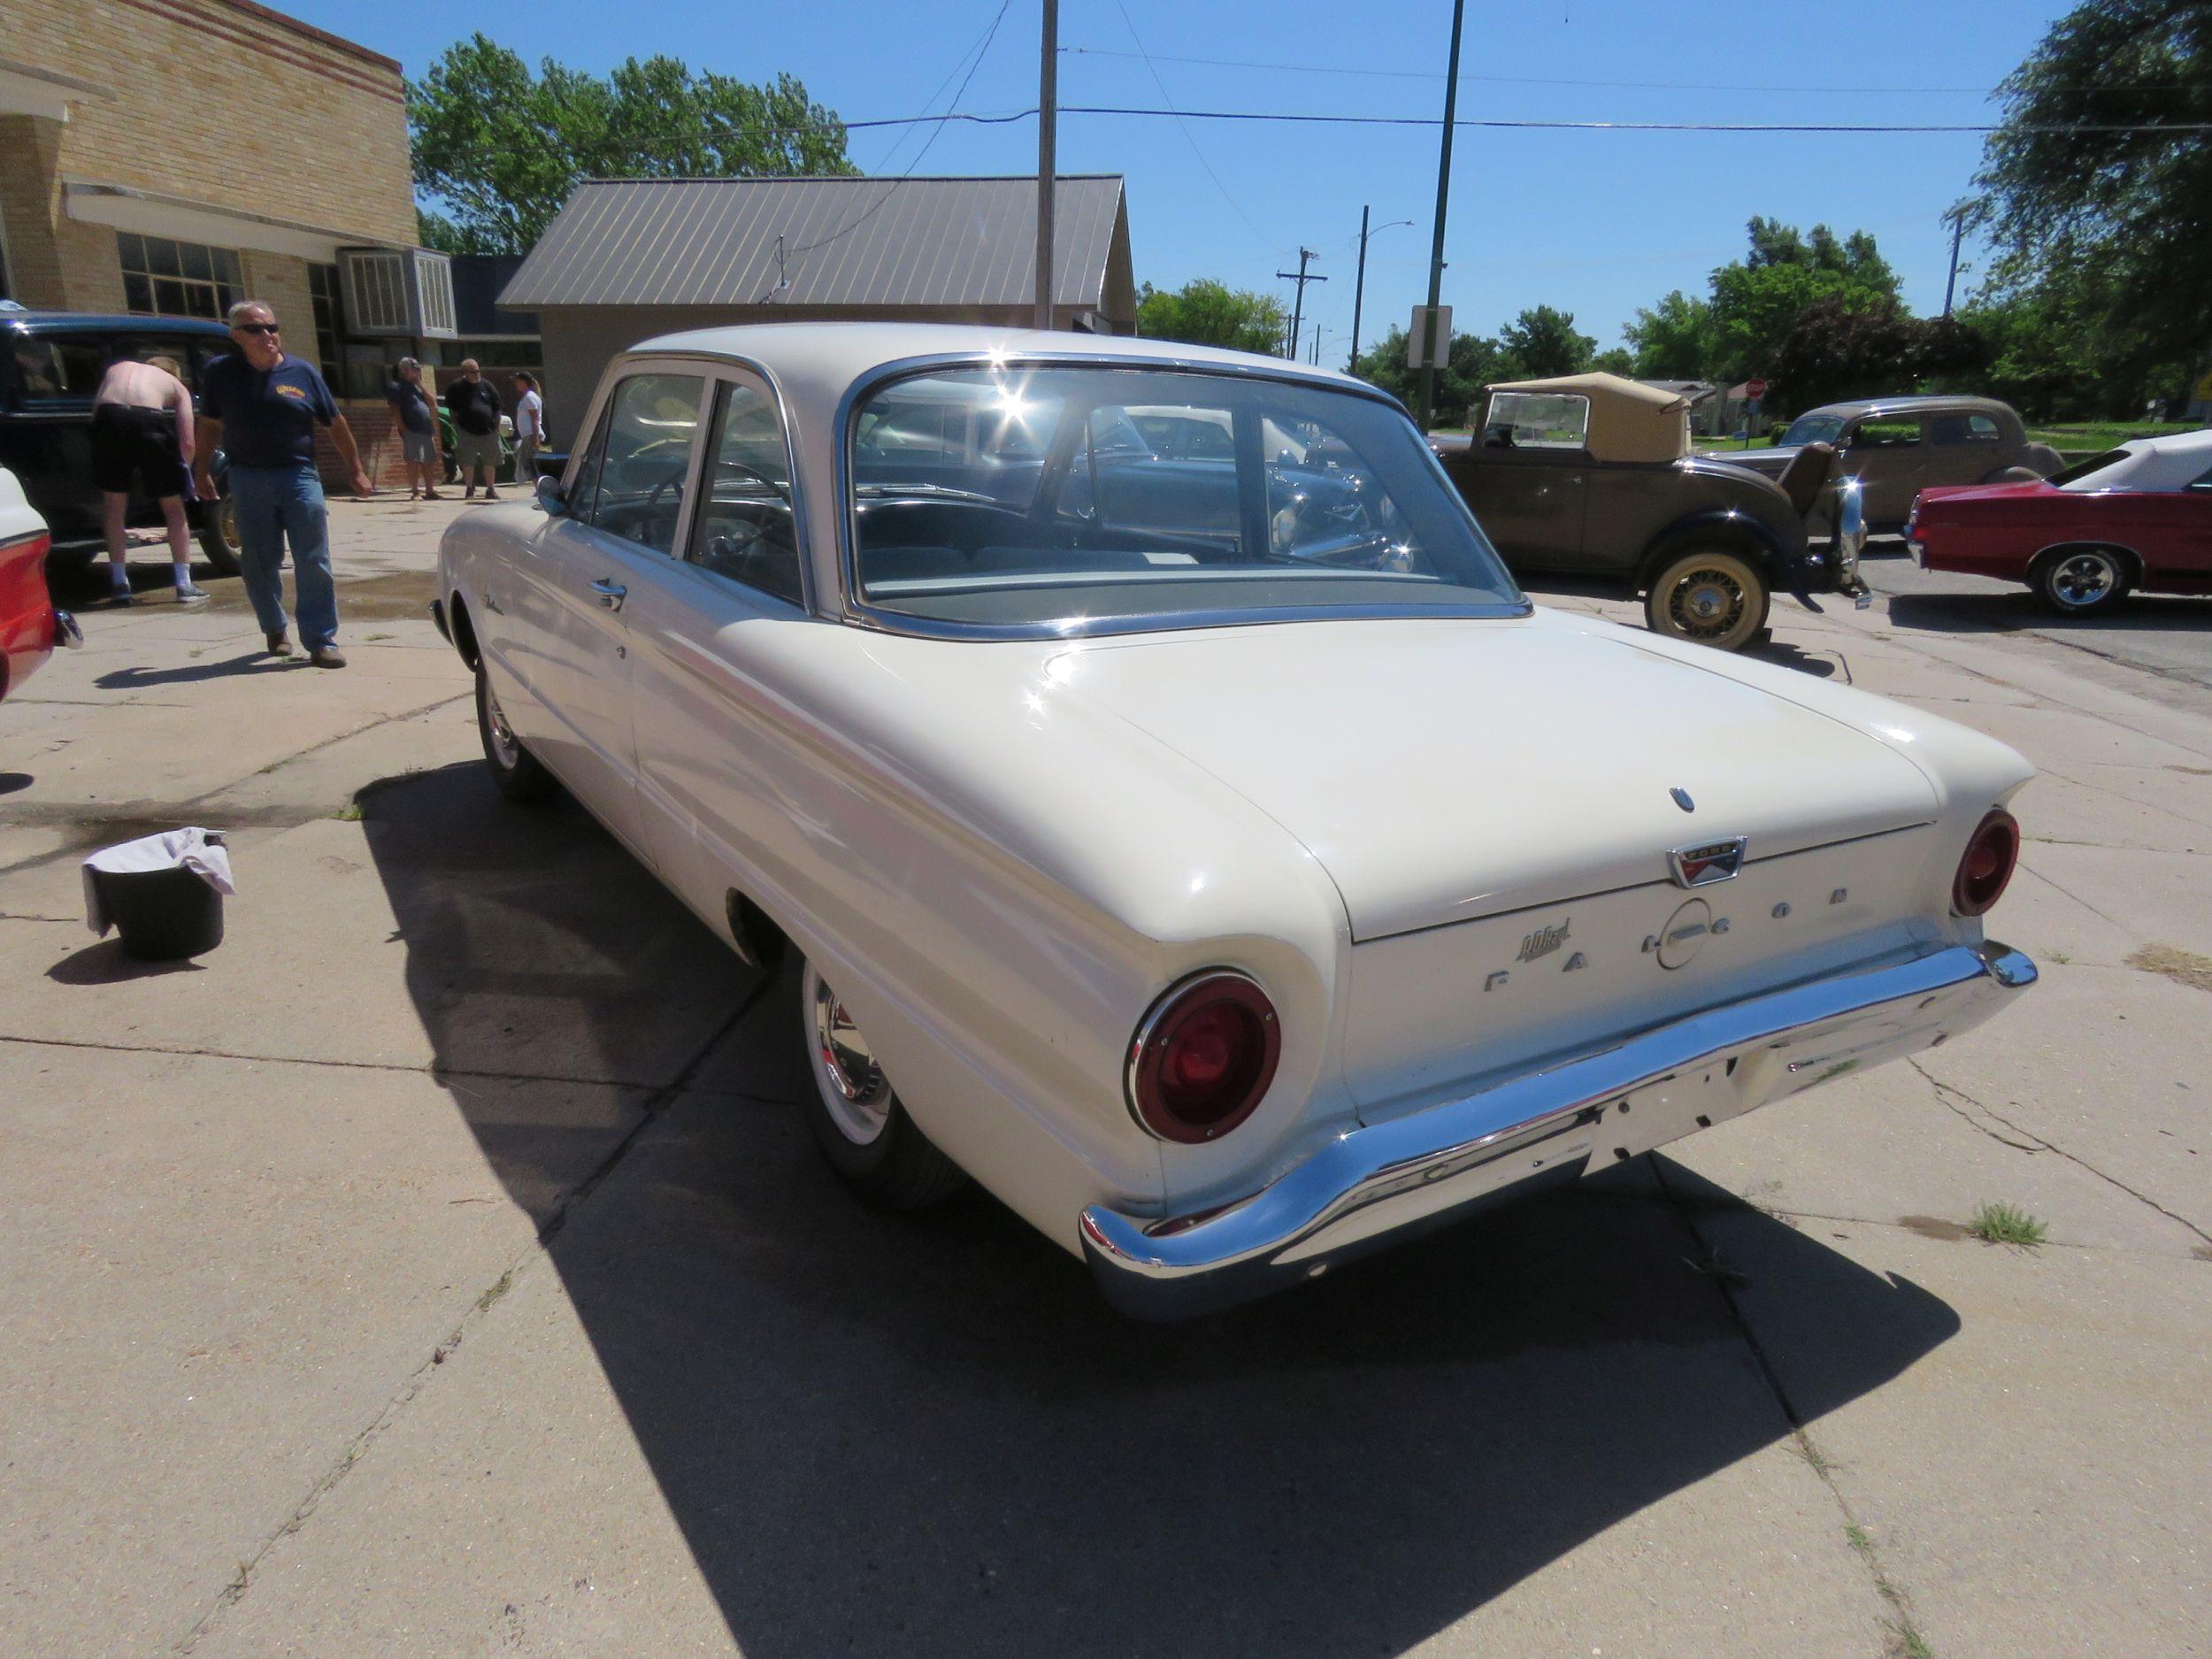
(2137, 516)
(30, 627)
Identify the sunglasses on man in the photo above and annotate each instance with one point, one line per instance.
(255, 329)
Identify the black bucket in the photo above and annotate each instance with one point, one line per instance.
(162, 915)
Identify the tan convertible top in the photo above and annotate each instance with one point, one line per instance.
(1629, 421)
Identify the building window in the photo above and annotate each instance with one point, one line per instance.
(322, 282)
(177, 279)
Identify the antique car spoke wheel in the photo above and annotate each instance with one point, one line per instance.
(855, 1113)
(1714, 599)
(2073, 584)
(219, 535)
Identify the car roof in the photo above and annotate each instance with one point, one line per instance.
(2171, 461)
(821, 360)
(1915, 403)
(107, 322)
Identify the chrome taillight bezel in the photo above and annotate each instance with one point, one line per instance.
(1148, 1045)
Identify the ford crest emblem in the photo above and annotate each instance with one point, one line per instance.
(1714, 861)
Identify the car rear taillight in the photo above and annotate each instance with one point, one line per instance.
(1203, 1057)
(1987, 866)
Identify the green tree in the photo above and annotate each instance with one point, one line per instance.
(2099, 195)
(500, 150)
(1473, 363)
(1615, 360)
(1840, 350)
(1541, 342)
(1204, 313)
(1673, 341)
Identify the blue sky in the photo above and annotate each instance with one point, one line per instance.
(1596, 223)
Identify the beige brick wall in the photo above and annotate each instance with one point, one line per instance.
(216, 100)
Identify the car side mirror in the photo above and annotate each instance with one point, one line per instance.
(552, 502)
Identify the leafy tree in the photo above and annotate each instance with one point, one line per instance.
(1204, 313)
(1675, 340)
(1473, 363)
(501, 150)
(1838, 349)
(2108, 230)
(1615, 360)
(1541, 342)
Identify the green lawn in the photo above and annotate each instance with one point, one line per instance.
(2092, 437)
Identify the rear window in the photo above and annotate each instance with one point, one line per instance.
(1536, 420)
(1064, 499)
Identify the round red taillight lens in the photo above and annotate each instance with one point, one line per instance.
(1991, 854)
(1203, 1057)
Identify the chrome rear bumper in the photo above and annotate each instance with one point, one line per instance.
(1374, 1185)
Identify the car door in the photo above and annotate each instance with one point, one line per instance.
(1887, 454)
(710, 629)
(567, 626)
(2177, 543)
(1526, 476)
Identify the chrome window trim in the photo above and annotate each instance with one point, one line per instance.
(799, 540)
(856, 610)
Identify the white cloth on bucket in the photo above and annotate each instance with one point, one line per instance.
(200, 851)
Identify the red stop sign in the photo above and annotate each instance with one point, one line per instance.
(1754, 390)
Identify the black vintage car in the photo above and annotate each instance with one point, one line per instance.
(1591, 476)
(50, 365)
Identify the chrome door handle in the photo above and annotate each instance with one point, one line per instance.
(612, 593)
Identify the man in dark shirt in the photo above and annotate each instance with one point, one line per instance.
(261, 405)
(473, 402)
(418, 430)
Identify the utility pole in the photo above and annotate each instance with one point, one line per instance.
(1298, 306)
(1958, 233)
(1359, 287)
(1426, 400)
(1316, 358)
(1047, 114)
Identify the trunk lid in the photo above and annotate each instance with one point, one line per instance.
(1445, 771)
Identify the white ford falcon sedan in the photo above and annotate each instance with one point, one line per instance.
(1164, 810)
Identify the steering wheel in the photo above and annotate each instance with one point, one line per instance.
(723, 464)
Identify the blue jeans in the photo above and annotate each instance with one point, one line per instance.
(277, 505)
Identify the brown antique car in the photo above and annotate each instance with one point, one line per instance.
(1896, 446)
(1592, 476)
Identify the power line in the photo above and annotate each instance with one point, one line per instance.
(1235, 206)
(2176, 128)
(1646, 86)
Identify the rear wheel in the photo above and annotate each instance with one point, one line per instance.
(1708, 598)
(219, 535)
(856, 1116)
(514, 768)
(2081, 581)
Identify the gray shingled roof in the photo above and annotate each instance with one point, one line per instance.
(846, 241)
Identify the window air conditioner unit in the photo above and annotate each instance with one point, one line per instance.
(398, 291)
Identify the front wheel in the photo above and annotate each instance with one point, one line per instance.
(2080, 582)
(219, 535)
(856, 1116)
(514, 769)
(1714, 599)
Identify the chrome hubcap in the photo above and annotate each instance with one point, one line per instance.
(503, 745)
(1706, 604)
(854, 1088)
(2083, 578)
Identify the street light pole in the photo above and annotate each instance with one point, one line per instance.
(1048, 111)
(1425, 402)
(1958, 233)
(1359, 289)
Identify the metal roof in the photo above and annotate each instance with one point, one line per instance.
(814, 241)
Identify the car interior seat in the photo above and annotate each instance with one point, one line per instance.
(1807, 475)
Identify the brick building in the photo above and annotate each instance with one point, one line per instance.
(125, 185)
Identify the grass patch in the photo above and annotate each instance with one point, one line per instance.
(2104, 435)
(2187, 966)
(349, 813)
(1857, 1537)
(2007, 1224)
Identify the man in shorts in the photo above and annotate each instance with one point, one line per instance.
(267, 403)
(418, 424)
(473, 403)
(142, 428)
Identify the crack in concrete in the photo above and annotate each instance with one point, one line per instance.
(413, 1386)
(1898, 1626)
(433, 1070)
(1943, 1089)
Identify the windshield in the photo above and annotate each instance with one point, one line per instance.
(1813, 429)
(1033, 497)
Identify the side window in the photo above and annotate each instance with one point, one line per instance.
(1536, 420)
(1948, 429)
(59, 366)
(743, 529)
(1889, 434)
(583, 495)
(643, 458)
(1980, 429)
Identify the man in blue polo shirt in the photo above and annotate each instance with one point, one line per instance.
(261, 405)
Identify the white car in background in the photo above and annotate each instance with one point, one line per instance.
(1227, 896)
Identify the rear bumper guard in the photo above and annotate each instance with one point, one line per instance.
(1376, 1184)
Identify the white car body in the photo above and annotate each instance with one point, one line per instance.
(1440, 844)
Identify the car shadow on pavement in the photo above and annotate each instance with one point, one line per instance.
(928, 1434)
(2012, 610)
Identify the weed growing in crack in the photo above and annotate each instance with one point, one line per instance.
(1857, 1537)
(2006, 1224)
(350, 813)
(1813, 1458)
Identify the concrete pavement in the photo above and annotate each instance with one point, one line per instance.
(438, 1267)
